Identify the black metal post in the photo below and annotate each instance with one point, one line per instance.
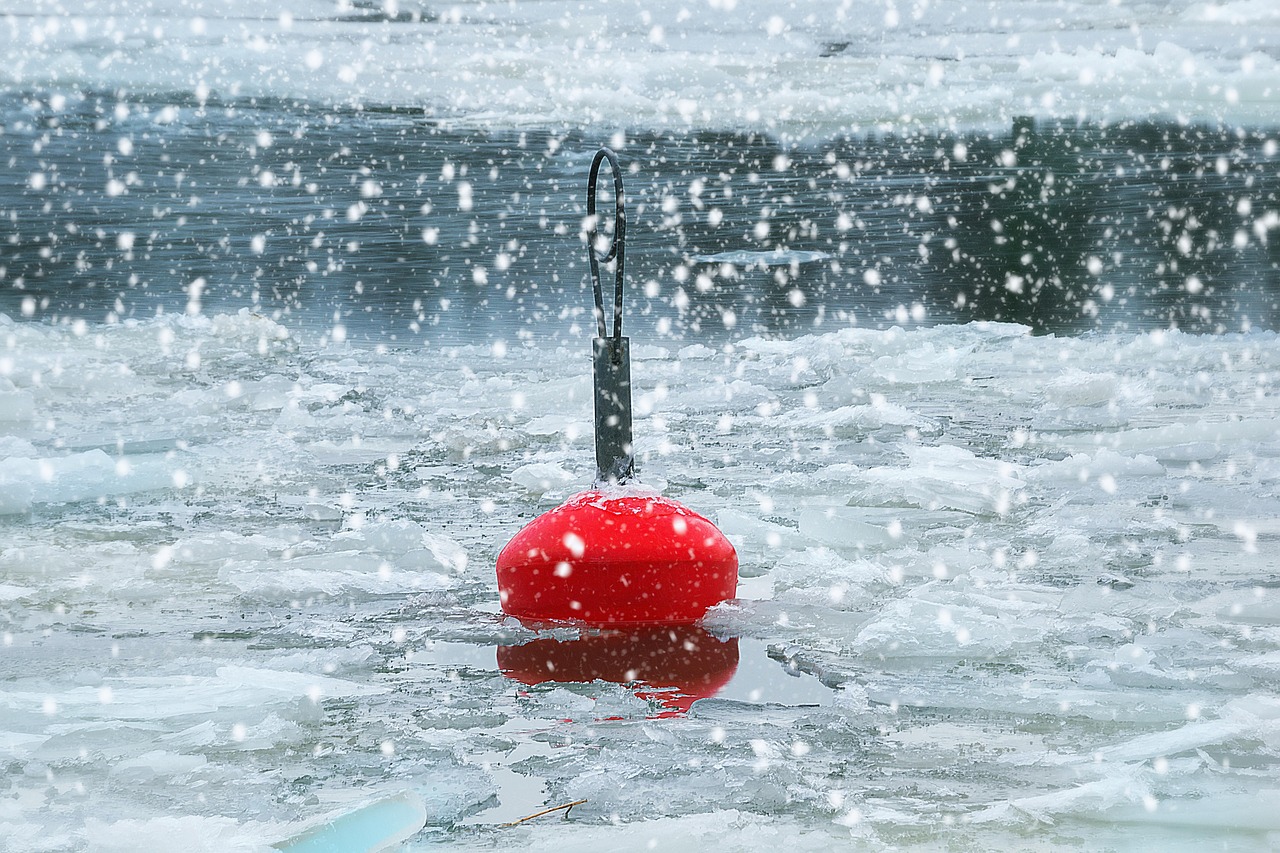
(611, 354)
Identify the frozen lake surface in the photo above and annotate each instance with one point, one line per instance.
(1025, 588)
(292, 342)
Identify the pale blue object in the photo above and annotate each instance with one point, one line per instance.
(371, 827)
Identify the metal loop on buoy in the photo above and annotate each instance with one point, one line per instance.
(617, 249)
(611, 355)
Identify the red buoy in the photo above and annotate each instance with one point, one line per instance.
(606, 557)
(617, 554)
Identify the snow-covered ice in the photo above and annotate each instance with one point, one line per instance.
(243, 595)
(795, 69)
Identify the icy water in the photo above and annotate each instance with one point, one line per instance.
(960, 322)
(390, 227)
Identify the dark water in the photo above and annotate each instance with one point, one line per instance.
(404, 231)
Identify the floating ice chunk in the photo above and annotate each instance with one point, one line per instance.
(573, 703)
(1191, 736)
(1265, 665)
(1135, 666)
(16, 404)
(453, 792)
(333, 574)
(353, 452)
(1239, 720)
(919, 627)
(1255, 811)
(1241, 605)
(1264, 706)
(272, 732)
(922, 365)
(1051, 697)
(568, 427)
(540, 477)
(310, 391)
(825, 354)
(149, 698)
(266, 394)
(320, 511)
(736, 395)
(827, 480)
(19, 744)
(136, 444)
(11, 445)
(744, 529)
(1088, 798)
(549, 393)
(225, 545)
(1196, 441)
(78, 477)
(371, 827)
(759, 825)
(408, 539)
(819, 576)
(775, 619)
(767, 258)
(1234, 12)
(844, 527)
(287, 683)
(20, 479)
(199, 736)
(860, 418)
(1083, 468)
(247, 326)
(1255, 717)
(331, 661)
(382, 557)
(945, 477)
(1077, 388)
(696, 352)
(156, 765)
(851, 697)
(10, 592)
(198, 834)
(1096, 418)
(952, 736)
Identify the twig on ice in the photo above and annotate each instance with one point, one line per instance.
(567, 807)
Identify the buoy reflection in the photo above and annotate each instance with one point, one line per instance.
(673, 666)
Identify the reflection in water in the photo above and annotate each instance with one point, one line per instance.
(389, 227)
(673, 666)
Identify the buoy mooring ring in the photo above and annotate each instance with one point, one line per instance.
(618, 554)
